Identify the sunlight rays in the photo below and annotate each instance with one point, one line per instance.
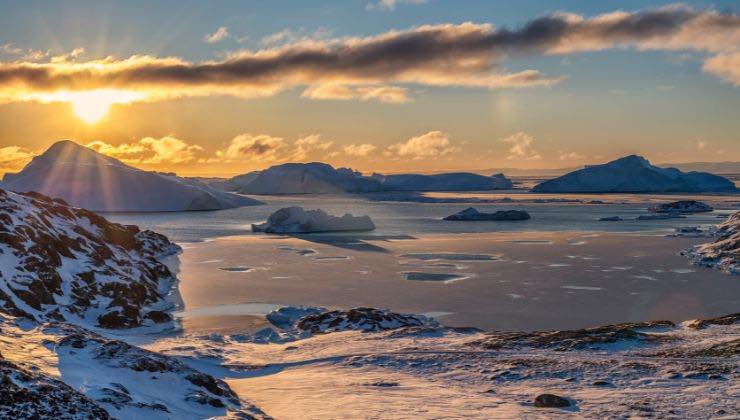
(91, 106)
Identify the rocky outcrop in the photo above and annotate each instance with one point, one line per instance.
(85, 178)
(26, 394)
(298, 220)
(724, 252)
(471, 214)
(683, 206)
(577, 339)
(634, 174)
(64, 263)
(362, 319)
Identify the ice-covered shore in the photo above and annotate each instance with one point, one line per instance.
(724, 252)
(641, 369)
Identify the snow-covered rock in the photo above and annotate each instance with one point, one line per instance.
(683, 206)
(304, 178)
(456, 181)
(361, 319)
(64, 263)
(471, 214)
(85, 178)
(287, 316)
(635, 174)
(723, 253)
(298, 220)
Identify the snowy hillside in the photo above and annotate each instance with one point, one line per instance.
(64, 263)
(636, 175)
(85, 178)
(724, 252)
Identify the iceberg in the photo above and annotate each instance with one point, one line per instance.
(456, 181)
(634, 174)
(85, 178)
(298, 220)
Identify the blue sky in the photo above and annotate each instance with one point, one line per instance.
(659, 102)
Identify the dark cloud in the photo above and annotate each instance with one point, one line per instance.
(466, 54)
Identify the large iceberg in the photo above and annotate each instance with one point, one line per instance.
(85, 178)
(304, 178)
(456, 181)
(320, 178)
(298, 220)
(634, 174)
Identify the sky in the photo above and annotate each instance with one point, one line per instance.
(226, 87)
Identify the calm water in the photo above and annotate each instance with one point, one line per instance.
(409, 218)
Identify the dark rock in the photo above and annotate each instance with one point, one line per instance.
(550, 400)
(471, 214)
(683, 206)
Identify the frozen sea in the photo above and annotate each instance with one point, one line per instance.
(562, 269)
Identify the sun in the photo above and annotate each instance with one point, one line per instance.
(93, 105)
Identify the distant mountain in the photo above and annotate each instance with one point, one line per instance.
(320, 178)
(457, 181)
(635, 174)
(85, 178)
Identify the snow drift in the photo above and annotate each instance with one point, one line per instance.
(298, 220)
(85, 178)
(634, 174)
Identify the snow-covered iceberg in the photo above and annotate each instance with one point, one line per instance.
(61, 263)
(472, 214)
(634, 174)
(723, 253)
(298, 220)
(85, 178)
(683, 206)
(456, 181)
(304, 178)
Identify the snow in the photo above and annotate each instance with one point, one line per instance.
(298, 220)
(304, 178)
(654, 369)
(634, 174)
(723, 253)
(85, 178)
(471, 214)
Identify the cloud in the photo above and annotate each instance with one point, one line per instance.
(250, 147)
(359, 150)
(430, 145)
(386, 94)
(465, 54)
(521, 147)
(725, 66)
(391, 4)
(569, 156)
(150, 150)
(221, 33)
(306, 145)
(13, 158)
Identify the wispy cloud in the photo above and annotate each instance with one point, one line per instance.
(391, 4)
(219, 35)
(464, 54)
(429, 145)
(386, 94)
(521, 146)
(150, 150)
(359, 150)
(13, 158)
